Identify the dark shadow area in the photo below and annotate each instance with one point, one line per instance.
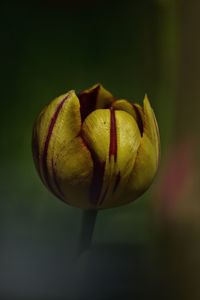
(114, 271)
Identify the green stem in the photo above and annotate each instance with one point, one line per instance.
(87, 228)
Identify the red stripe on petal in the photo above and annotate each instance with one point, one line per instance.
(97, 176)
(139, 119)
(97, 180)
(47, 141)
(117, 181)
(35, 150)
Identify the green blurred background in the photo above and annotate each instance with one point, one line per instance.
(132, 48)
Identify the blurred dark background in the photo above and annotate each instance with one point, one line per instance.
(145, 250)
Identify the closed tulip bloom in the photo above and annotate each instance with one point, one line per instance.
(93, 151)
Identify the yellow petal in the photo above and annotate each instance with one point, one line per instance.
(134, 110)
(96, 132)
(125, 106)
(151, 127)
(73, 168)
(144, 170)
(58, 124)
(146, 163)
(116, 153)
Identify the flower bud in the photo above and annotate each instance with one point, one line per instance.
(93, 151)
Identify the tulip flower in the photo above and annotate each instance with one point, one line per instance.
(93, 151)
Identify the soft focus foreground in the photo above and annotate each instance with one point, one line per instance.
(148, 248)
